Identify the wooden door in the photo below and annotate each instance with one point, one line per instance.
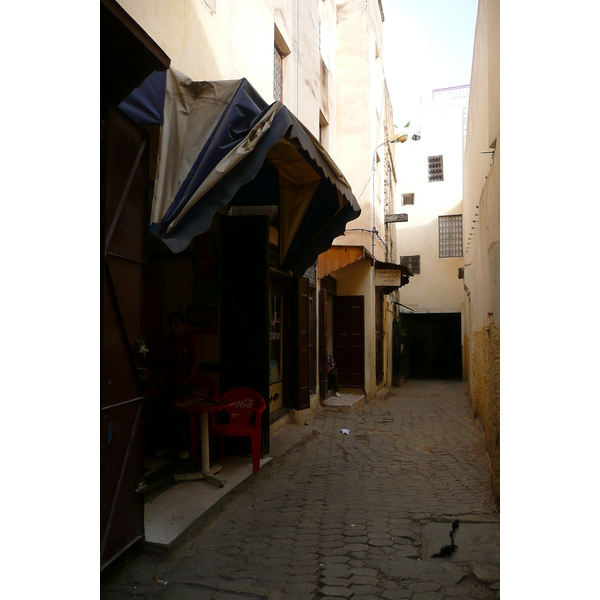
(379, 337)
(244, 319)
(349, 341)
(124, 223)
(312, 346)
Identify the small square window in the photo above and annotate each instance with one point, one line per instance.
(412, 262)
(408, 199)
(435, 168)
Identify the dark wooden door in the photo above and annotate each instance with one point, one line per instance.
(323, 344)
(379, 337)
(349, 341)
(244, 319)
(312, 345)
(124, 196)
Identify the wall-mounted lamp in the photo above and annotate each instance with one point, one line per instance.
(397, 137)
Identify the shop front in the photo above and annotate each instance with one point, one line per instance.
(242, 205)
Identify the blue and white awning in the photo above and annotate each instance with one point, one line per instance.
(220, 143)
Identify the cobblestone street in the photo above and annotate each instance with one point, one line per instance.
(353, 515)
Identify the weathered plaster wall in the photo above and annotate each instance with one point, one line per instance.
(482, 250)
(485, 392)
(354, 115)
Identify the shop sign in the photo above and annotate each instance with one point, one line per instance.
(388, 277)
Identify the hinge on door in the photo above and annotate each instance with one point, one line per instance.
(141, 488)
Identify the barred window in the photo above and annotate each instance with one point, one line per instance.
(277, 74)
(436, 168)
(450, 231)
(412, 262)
(408, 199)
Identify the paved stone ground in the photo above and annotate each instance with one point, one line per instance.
(349, 516)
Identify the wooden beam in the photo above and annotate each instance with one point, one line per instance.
(399, 218)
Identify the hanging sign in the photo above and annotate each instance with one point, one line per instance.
(388, 277)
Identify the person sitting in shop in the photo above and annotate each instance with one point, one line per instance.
(181, 359)
(332, 376)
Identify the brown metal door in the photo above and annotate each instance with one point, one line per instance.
(124, 172)
(323, 344)
(349, 341)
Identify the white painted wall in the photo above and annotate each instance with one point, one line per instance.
(437, 288)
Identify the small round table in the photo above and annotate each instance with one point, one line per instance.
(198, 409)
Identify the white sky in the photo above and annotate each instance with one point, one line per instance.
(427, 45)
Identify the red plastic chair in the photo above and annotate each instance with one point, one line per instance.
(245, 408)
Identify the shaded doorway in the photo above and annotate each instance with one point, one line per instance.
(432, 346)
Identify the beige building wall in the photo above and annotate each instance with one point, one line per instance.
(362, 117)
(482, 249)
(437, 288)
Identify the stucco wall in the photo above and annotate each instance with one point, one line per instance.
(482, 249)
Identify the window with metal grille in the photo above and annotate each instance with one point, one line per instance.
(450, 228)
(277, 74)
(412, 262)
(436, 168)
(408, 199)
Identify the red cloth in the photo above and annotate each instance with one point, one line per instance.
(181, 352)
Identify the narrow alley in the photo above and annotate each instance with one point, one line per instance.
(348, 515)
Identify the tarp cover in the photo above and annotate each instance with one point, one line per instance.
(219, 136)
